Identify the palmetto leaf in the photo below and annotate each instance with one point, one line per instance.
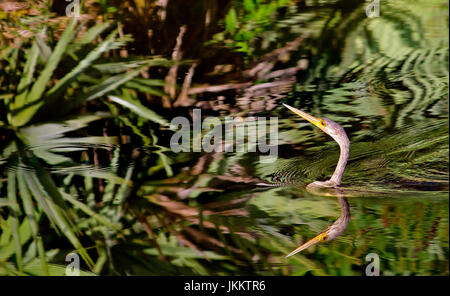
(138, 108)
(109, 43)
(27, 76)
(14, 218)
(88, 37)
(32, 219)
(49, 198)
(34, 99)
(103, 88)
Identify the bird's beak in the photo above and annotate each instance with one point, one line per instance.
(321, 237)
(314, 120)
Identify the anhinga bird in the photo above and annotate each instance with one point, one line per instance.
(338, 134)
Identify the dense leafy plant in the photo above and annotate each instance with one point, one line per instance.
(36, 90)
(247, 21)
(85, 167)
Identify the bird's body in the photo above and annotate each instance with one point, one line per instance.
(334, 183)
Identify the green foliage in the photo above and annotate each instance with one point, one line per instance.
(246, 21)
(36, 196)
(86, 166)
(32, 97)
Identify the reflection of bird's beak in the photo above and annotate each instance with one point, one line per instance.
(322, 236)
(310, 118)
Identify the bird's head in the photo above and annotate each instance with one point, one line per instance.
(326, 125)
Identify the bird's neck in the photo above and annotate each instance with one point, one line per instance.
(345, 209)
(340, 167)
(341, 223)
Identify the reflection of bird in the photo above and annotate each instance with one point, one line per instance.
(332, 231)
(338, 134)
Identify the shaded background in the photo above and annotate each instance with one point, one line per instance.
(85, 157)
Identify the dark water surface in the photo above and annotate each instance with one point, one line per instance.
(384, 79)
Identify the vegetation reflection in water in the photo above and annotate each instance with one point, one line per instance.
(96, 175)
